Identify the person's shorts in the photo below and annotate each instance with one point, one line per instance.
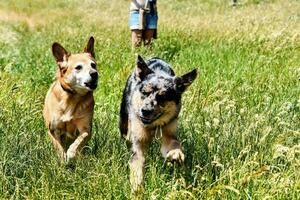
(151, 20)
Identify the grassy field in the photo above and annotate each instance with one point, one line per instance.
(240, 122)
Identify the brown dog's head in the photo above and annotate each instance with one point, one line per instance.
(77, 73)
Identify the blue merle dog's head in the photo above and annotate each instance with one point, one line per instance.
(157, 97)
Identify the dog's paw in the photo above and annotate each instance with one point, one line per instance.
(175, 155)
(70, 156)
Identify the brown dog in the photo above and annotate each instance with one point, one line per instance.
(69, 104)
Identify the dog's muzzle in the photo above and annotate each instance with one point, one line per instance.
(147, 116)
(93, 83)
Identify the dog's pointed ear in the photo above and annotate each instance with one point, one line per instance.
(142, 69)
(59, 53)
(89, 48)
(182, 82)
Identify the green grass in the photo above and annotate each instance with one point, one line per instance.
(240, 122)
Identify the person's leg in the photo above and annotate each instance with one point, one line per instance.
(136, 37)
(148, 36)
(234, 2)
(136, 34)
(151, 27)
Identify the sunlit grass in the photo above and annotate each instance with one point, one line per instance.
(240, 121)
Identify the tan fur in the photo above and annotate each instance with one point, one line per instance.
(140, 137)
(66, 114)
(168, 110)
(68, 111)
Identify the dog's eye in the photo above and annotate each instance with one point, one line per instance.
(146, 93)
(93, 65)
(78, 67)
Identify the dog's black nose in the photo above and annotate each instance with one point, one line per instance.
(146, 113)
(94, 75)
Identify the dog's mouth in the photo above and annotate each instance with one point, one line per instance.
(147, 120)
(91, 85)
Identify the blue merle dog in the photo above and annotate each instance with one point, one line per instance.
(150, 107)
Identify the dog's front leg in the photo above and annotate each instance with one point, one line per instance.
(170, 146)
(137, 165)
(76, 146)
(84, 128)
(55, 138)
(171, 149)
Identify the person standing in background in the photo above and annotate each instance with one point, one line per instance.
(143, 22)
(234, 2)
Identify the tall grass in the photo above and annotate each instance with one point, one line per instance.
(240, 122)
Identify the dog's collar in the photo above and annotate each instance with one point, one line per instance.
(67, 89)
